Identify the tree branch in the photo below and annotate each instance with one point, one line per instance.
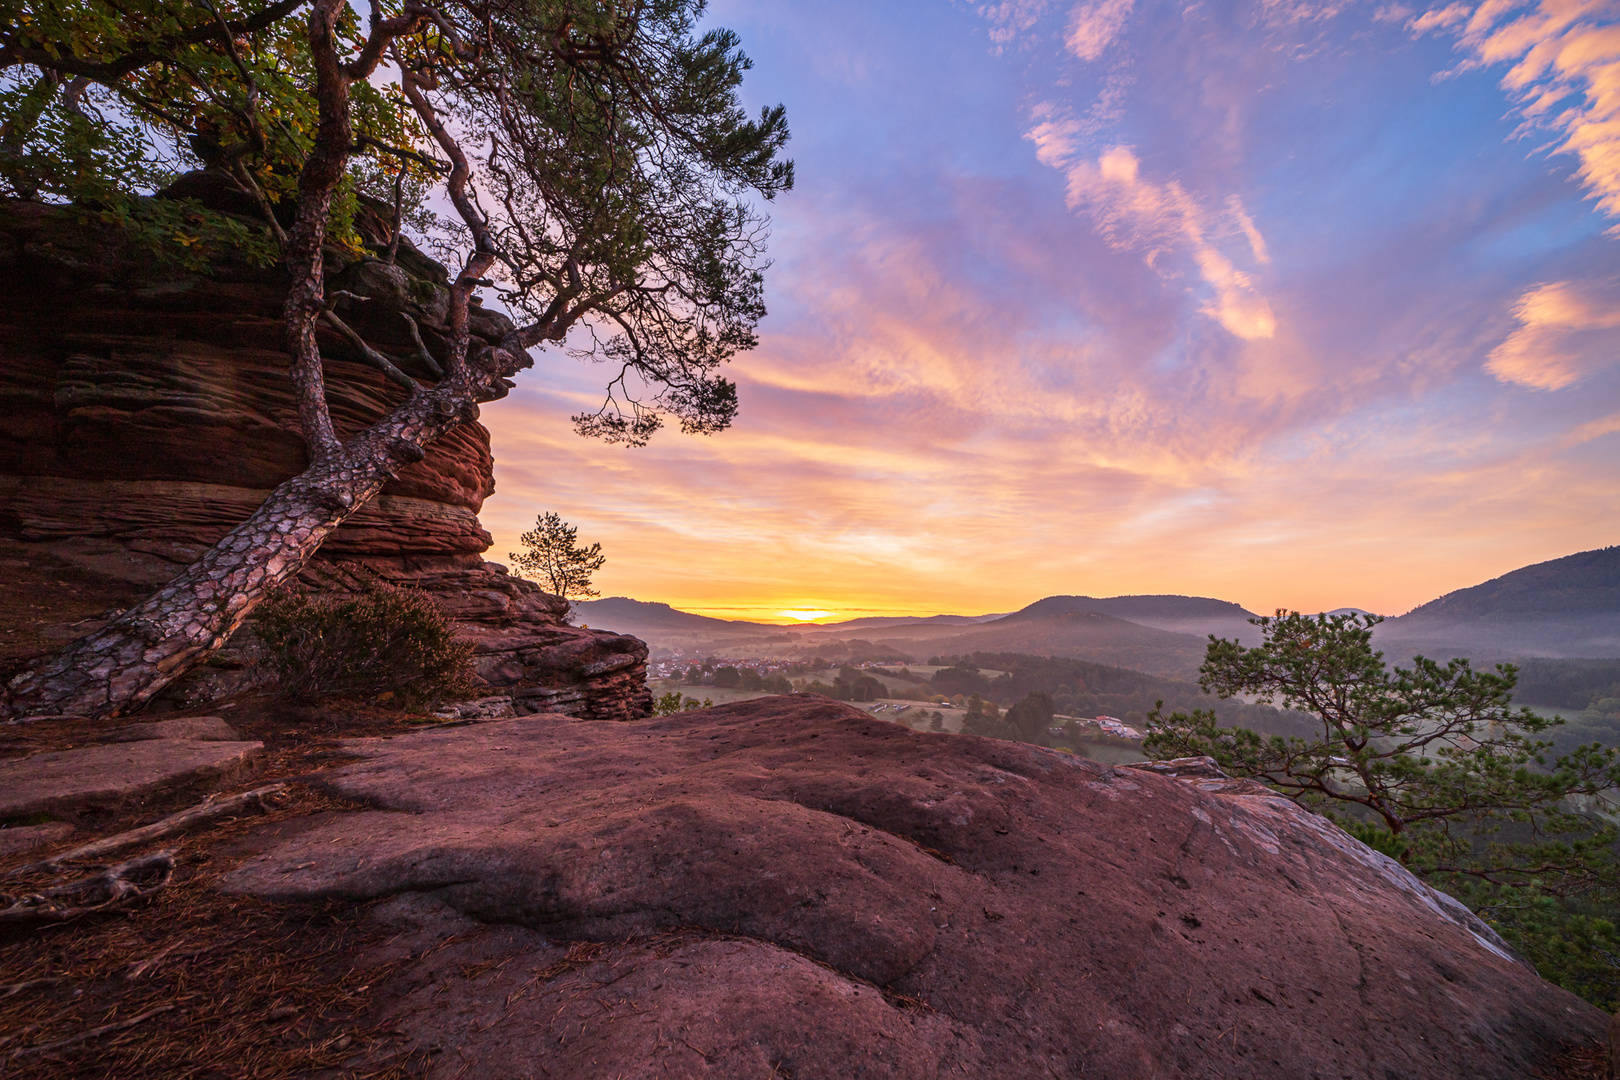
(421, 347)
(377, 359)
(60, 57)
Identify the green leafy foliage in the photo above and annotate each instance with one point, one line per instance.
(982, 718)
(105, 102)
(617, 152)
(1432, 766)
(1030, 717)
(614, 170)
(385, 641)
(854, 685)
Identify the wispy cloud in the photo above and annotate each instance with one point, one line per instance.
(1010, 18)
(1564, 75)
(1567, 330)
(1161, 221)
(1094, 25)
(1213, 319)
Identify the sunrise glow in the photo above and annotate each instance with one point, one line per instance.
(1303, 304)
(805, 616)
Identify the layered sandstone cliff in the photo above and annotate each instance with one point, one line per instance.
(145, 409)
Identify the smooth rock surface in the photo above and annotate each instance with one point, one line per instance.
(198, 728)
(67, 781)
(787, 884)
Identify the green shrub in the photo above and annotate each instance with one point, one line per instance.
(383, 641)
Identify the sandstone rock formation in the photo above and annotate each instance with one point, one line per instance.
(70, 782)
(788, 887)
(145, 410)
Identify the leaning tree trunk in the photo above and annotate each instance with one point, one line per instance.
(120, 667)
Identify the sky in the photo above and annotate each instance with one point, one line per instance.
(1295, 303)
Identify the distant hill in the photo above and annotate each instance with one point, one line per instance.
(1196, 615)
(620, 613)
(889, 621)
(1567, 607)
(1137, 609)
(1160, 634)
(1586, 583)
(1083, 635)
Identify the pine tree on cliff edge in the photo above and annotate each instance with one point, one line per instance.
(552, 556)
(595, 154)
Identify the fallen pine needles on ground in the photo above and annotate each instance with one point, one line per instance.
(193, 983)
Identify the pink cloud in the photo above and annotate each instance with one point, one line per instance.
(1161, 221)
(1094, 25)
(1567, 330)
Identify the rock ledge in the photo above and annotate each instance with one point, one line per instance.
(787, 884)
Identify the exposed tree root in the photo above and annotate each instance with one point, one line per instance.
(13, 989)
(211, 807)
(115, 887)
(93, 1033)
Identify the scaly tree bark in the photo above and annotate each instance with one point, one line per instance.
(614, 186)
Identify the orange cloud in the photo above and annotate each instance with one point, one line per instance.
(1567, 330)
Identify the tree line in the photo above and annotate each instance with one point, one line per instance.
(1084, 688)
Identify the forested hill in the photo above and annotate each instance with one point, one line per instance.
(1586, 583)
(631, 616)
(1135, 608)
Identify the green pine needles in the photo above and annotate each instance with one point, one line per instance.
(1433, 767)
(552, 556)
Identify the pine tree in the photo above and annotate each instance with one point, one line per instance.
(552, 556)
(1433, 767)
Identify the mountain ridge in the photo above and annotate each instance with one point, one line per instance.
(1565, 607)
(1133, 608)
(1585, 583)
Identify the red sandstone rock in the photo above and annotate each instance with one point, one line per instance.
(72, 781)
(787, 884)
(145, 411)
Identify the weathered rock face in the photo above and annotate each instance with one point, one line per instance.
(789, 887)
(145, 411)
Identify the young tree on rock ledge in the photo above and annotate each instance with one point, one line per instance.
(1433, 767)
(552, 556)
(608, 205)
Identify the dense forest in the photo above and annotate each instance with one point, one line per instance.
(1567, 684)
(1083, 688)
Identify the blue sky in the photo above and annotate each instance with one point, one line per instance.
(1296, 304)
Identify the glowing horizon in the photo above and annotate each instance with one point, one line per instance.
(1258, 301)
